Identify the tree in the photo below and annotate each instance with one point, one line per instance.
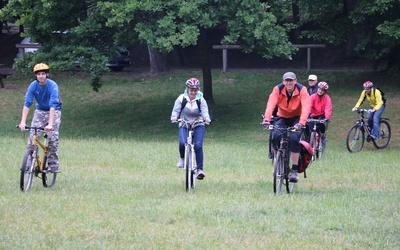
(95, 28)
(369, 28)
(165, 24)
(67, 31)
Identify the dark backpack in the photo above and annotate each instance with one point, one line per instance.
(184, 101)
(298, 86)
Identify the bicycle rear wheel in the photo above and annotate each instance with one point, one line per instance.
(355, 139)
(321, 146)
(48, 178)
(27, 171)
(384, 134)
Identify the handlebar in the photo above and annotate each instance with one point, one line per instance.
(317, 120)
(361, 110)
(282, 129)
(33, 128)
(191, 123)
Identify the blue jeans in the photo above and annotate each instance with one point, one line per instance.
(198, 137)
(373, 120)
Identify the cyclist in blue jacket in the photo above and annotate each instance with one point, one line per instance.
(48, 110)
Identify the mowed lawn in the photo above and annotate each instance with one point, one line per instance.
(120, 188)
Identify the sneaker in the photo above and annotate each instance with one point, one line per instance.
(293, 176)
(200, 174)
(181, 163)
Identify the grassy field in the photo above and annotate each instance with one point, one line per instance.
(119, 187)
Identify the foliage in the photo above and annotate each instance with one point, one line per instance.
(163, 25)
(67, 32)
(373, 25)
(92, 29)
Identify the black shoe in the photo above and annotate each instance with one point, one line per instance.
(200, 174)
(369, 138)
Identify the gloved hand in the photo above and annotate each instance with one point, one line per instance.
(298, 126)
(266, 124)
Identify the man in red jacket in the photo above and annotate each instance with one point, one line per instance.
(293, 104)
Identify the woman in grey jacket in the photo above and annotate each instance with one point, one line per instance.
(191, 106)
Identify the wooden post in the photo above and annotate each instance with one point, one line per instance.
(300, 46)
(224, 60)
(309, 47)
(225, 54)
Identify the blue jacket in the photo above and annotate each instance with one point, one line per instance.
(46, 96)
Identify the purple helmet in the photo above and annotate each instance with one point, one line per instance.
(368, 85)
(323, 85)
(193, 83)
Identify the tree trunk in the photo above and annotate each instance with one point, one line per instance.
(158, 61)
(296, 20)
(206, 67)
(352, 37)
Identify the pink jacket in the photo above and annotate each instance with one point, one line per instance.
(321, 105)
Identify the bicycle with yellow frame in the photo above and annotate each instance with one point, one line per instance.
(34, 162)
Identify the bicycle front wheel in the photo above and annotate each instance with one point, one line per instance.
(314, 144)
(384, 134)
(279, 172)
(355, 139)
(27, 171)
(48, 178)
(188, 169)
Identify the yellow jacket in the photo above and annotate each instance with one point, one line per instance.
(375, 99)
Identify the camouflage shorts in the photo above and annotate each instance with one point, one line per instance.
(40, 119)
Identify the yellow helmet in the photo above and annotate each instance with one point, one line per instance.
(41, 67)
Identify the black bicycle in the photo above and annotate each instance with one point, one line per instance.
(361, 131)
(282, 160)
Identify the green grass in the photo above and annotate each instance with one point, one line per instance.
(119, 187)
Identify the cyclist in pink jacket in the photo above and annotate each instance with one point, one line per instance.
(321, 107)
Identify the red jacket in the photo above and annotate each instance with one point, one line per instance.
(321, 105)
(298, 105)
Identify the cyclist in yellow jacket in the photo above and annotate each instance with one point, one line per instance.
(377, 106)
